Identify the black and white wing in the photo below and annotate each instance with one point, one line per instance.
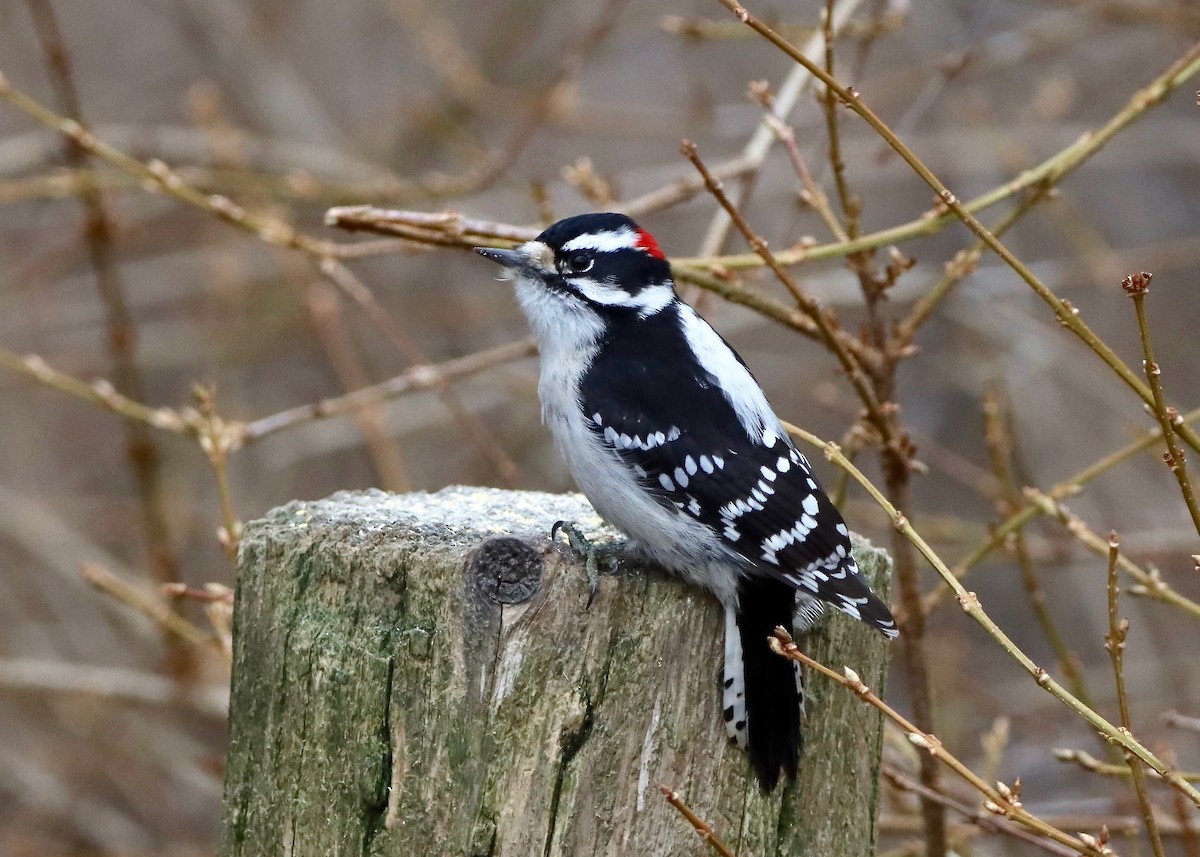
(729, 466)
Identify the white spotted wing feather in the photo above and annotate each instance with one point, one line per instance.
(722, 460)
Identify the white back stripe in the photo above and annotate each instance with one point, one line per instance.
(737, 384)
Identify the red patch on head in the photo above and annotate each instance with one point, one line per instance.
(646, 242)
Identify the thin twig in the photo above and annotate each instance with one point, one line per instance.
(272, 230)
(218, 440)
(188, 421)
(809, 304)
(117, 684)
(1047, 174)
(959, 268)
(683, 189)
(144, 457)
(849, 201)
(1189, 831)
(1064, 312)
(465, 231)
(1071, 485)
(971, 605)
(1150, 583)
(1136, 286)
(979, 818)
(99, 392)
(897, 456)
(325, 313)
(411, 380)
(1001, 446)
(451, 229)
(146, 603)
(483, 440)
(703, 828)
(788, 94)
(1088, 762)
(211, 593)
(217, 600)
(1000, 799)
(1114, 642)
(1181, 721)
(1116, 825)
(810, 192)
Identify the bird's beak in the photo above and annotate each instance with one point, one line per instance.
(507, 258)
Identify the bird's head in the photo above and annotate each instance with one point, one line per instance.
(602, 262)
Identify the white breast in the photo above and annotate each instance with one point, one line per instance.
(567, 338)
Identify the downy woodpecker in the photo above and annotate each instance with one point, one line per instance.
(671, 439)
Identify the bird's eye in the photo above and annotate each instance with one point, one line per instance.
(579, 263)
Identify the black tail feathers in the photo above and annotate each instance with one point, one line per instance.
(773, 701)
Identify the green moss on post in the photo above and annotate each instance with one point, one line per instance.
(407, 682)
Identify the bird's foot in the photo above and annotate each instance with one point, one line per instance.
(598, 558)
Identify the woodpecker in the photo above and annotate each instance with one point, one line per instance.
(673, 442)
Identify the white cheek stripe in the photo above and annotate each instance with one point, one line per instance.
(648, 301)
(604, 242)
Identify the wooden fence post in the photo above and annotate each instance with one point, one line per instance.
(418, 675)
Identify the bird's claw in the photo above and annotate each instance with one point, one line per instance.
(591, 554)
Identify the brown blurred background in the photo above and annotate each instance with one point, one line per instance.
(112, 739)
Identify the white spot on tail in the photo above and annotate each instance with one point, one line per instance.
(733, 698)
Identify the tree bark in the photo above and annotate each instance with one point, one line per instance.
(419, 674)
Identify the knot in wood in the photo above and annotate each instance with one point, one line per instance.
(507, 570)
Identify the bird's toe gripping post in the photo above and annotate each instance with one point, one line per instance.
(598, 558)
